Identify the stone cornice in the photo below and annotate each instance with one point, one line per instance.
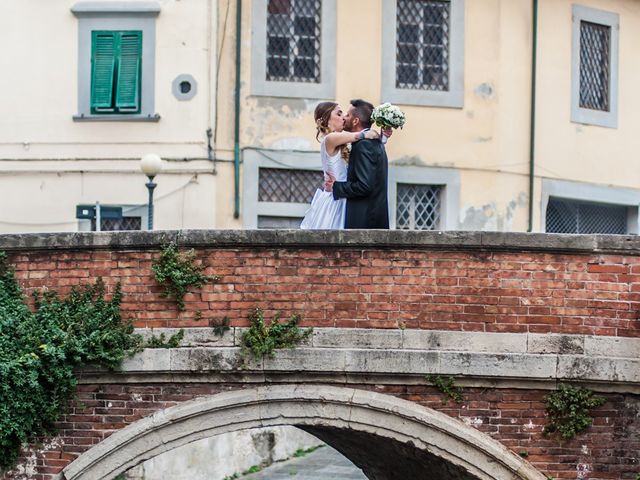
(381, 239)
(368, 355)
(116, 7)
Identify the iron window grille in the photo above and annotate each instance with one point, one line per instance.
(423, 44)
(595, 66)
(293, 40)
(117, 224)
(570, 216)
(288, 186)
(418, 207)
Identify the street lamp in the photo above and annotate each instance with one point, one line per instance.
(150, 164)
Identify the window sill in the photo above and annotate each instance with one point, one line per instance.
(116, 118)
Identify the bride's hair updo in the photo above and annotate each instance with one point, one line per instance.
(321, 115)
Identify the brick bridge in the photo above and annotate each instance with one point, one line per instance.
(508, 315)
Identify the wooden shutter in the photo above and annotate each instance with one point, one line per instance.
(128, 86)
(103, 61)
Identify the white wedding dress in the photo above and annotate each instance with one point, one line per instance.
(325, 212)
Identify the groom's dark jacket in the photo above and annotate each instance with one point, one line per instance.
(366, 186)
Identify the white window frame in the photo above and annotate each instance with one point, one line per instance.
(586, 192)
(447, 178)
(585, 115)
(117, 15)
(454, 98)
(253, 160)
(260, 86)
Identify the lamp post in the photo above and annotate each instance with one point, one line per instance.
(150, 164)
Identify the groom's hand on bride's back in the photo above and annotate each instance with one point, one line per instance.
(328, 183)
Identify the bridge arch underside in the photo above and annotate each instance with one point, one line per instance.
(389, 438)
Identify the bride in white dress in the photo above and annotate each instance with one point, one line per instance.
(325, 212)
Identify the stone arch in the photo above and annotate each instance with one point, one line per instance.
(345, 417)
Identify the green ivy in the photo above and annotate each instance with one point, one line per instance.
(301, 452)
(39, 351)
(178, 273)
(447, 387)
(220, 328)
(262, 337)
(569, 410)
(162, 342)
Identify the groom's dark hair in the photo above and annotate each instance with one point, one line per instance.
(363, 110)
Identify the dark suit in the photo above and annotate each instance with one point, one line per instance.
(366, 186)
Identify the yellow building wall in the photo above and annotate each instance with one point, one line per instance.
(488, 136)
(487, 140)
(583, 152)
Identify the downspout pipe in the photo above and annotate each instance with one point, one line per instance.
(532, 132)
(236, 130)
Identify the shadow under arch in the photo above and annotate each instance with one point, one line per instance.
(386, 436)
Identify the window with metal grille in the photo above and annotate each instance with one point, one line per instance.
(418, 207)
(422, 44)
(570, 216)
(595, 48)
(288, 186)
(293, 40)
(117, 224)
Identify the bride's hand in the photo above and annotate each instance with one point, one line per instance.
(387, 131)
(371, 135)
(329, 181)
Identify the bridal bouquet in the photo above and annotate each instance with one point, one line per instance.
(387, 115)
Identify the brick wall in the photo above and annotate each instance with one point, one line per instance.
(535, 292)
(514, 417)
(384, 282)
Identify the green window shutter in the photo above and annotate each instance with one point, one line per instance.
(128, 85)
(103, 62)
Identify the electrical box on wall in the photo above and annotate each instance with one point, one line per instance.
(88, 212)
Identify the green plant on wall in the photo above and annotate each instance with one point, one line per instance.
(220, 327)
(447, 387)
(178, 273)
(263, 337)
(569, 410)
(162, 342)
(39, 350)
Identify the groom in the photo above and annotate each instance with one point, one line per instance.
(366, 185)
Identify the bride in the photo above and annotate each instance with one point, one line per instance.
(325, 212)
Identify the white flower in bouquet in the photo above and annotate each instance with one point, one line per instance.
(388, 115)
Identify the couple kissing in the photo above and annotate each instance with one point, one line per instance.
(355, 189)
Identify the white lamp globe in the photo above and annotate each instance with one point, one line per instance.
(151, 164)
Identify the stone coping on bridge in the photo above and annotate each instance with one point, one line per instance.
(613, 363)
(463, 240)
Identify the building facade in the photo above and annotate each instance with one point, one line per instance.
(497, 137)
(101, 85)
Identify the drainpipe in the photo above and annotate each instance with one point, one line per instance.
(532, 133)
(236, 133)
